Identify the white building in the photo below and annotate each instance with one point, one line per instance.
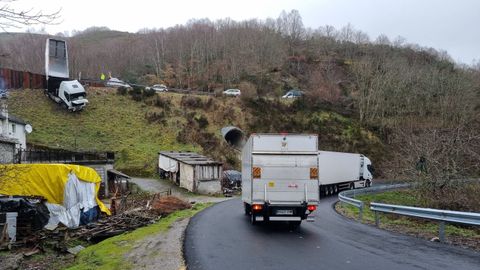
(192, 171)
(13, 127)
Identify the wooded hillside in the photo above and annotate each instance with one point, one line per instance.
(417, 100)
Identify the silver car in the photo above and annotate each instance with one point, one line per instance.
(160, 88)
(114, 82)
(232, 92)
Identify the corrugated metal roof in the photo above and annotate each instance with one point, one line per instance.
(13, 118)
(8, 140)
(118, 173)
(190, 158)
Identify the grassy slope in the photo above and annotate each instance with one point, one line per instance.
(409, 225)
(111, 122)
(136, 131)
(109, 254)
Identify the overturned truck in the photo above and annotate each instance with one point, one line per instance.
(70, 94)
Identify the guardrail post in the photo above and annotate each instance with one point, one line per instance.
(360, 212)
(377, 219)
(441, 231)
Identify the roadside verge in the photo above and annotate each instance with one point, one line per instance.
(157, 246)
(465, 236)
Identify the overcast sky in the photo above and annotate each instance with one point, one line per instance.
(452, 25)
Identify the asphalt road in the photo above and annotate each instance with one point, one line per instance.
(221, 237)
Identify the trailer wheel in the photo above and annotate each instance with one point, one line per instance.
(352, 186)
(330, 189)
(368, 183)
(335, 189)
(252, 219)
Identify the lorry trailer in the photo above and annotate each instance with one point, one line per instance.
(280, 177)
(338, 171)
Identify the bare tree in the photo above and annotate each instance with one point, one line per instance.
(14, 18)
(438, 160)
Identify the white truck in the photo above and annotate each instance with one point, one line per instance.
(280, 178)
(339, 171)
(68, 93)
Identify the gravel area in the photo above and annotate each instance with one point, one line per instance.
(164, 250)
(159, 185)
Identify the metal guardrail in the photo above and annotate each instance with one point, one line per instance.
(348, 196)
(343, 197)
(443, 216)
(467, 218)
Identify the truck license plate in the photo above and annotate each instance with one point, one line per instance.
(284, 212)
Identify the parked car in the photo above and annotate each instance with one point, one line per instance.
(232, 92)
(293, 94)
(159, 88)
(232, 179)
(114, 82)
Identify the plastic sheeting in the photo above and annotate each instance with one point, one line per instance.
(78, 197)
(68, 189)
(167, 164)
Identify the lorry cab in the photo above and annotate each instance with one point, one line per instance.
(73, 95)
(367, 171)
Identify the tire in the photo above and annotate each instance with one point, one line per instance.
(352, 186)
(335, 189)
(64, 106)
(368, 183)
(252, 219)
(246, 207)
(331, 190)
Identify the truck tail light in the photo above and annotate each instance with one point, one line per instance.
(257, 207)
(257, 172)
(313, 173)
(312, 208)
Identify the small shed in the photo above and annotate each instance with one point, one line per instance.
(192, 171)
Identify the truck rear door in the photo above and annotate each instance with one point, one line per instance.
(285, 179)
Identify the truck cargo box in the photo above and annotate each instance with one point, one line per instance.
(280, 173)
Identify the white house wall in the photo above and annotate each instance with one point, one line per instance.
(19, 133)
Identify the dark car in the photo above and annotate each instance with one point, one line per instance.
(232, 179)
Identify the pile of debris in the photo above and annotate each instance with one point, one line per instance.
(129, 212)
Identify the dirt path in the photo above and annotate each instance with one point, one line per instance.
(164, 250)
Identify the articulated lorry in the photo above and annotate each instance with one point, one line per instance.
(280, 177)
(68, 93)
(339, 171)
